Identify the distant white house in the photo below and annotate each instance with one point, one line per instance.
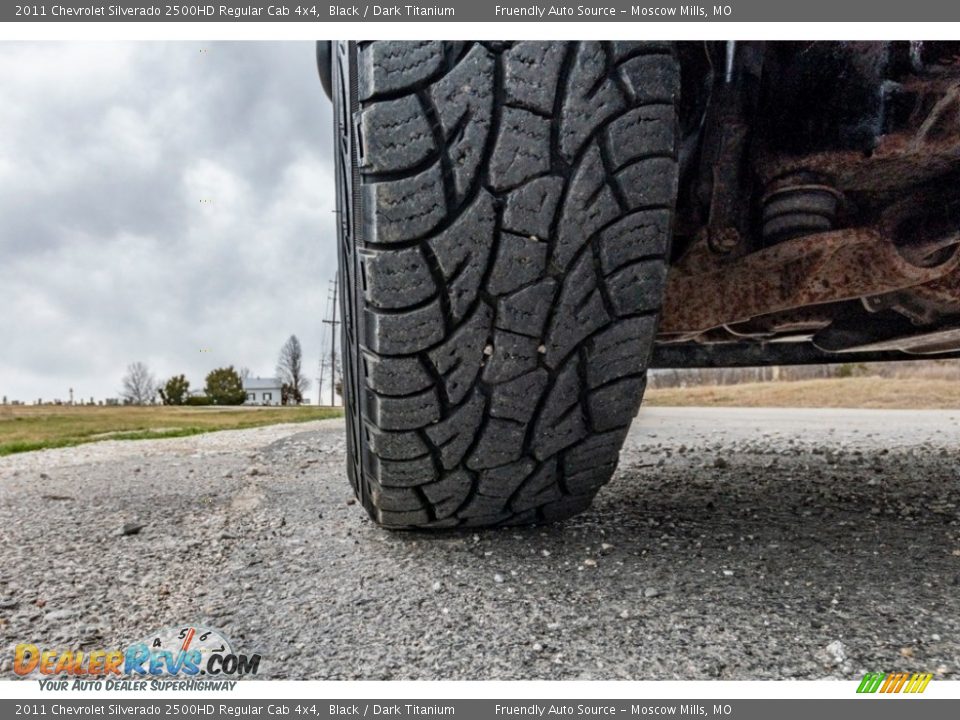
(262, 391)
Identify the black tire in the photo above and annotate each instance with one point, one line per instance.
(505, 215)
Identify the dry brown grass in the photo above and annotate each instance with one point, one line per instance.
(856, 392)
(28, 427)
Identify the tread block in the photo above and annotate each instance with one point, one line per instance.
(459, 359)
(530, 74)
(396, 278)
(517, 399)
(590, 204)
(454, 435)
(501, 442)
(641, 234)
(395, 499)
(599, 451)
(463, 99)
(525, 311)
(620, 350)
(519, 261)
(652, 78)
(579, 311)
(642, 132)
(398, 210)
(561, 422)
(403, 333)
(396, 135)
(622, 49)
(389, 66)
(408, 519)
(403, 413)
(491, 509)
(589, 481)
(395, 445)
(591, 98)
(563, 433)
(564, 393)
(395, 376)
(638, 287)
(403, 473)
(512, 355)
(540, 488)
(616, 405)
(503, 481)
(530, 208)
(649, 182)
(522, 148)
(463, 251)
(448, 493)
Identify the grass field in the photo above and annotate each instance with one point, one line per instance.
(25, 428)
(858, 392)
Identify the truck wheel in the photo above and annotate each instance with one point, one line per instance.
(505, 216)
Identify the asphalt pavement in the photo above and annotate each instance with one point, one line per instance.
(731, 544)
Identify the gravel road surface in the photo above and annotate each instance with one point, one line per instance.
(734, 544)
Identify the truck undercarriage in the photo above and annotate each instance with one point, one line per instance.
(817, 216)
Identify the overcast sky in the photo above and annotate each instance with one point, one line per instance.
(158, 200)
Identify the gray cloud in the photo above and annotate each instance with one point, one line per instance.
(157, 199)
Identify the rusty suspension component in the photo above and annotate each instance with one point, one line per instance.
(812, 270)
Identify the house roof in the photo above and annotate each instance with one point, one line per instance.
(261, 383)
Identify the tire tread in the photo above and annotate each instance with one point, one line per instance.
(514, 206)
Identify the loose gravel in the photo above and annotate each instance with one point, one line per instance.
(732, 544)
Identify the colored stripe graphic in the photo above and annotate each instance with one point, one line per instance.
(888, 682)
(870, 683)
(894, 683)
(919, 682)
(897, 683)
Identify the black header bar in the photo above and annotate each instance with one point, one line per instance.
(484, 11)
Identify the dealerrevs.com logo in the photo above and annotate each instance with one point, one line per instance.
(187, 652)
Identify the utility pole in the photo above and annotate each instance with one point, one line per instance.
(320, 382)
(333, 322)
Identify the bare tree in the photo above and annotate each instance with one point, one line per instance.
(290, 369)
(139, 385)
